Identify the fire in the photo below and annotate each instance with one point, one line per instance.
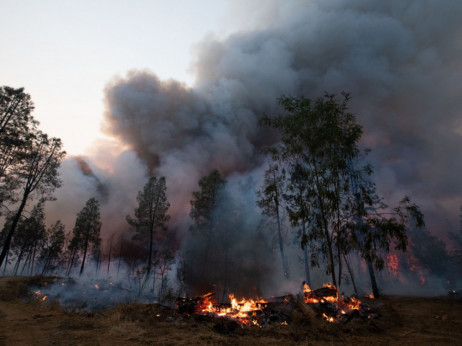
(257, 312)
(329, 295)
(96, 286)
(328, 318)
(39, 293)
(393, 264)
(422, 279)
(243, 311)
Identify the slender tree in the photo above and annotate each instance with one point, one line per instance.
(203, 205)
(17, 128)
(29, 237)
(150, 215)
(270, 200)
(37, 174)
(319, 145)
(53, 246)
(87, 229)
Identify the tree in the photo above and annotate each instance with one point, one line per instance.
(203, 205)
(37, 174)
(87, 229)
(270, 200)
(319, 145)
(151, 214)
(53, 246)
(30, 237)
(17, 127)
(15, 111)
(299, 185)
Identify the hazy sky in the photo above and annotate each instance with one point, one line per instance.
(65, 52)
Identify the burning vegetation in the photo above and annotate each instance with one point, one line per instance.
(323, 302)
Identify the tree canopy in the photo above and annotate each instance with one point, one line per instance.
(329, 186)
(151, 214)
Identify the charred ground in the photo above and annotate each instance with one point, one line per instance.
(402, 320)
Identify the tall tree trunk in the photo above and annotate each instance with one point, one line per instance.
(6, 263)
(350, 271)
(285, 266)
(27, 261)
(375, 289)
(9, 236)
(98, 264)
(151, 239)
(18, 260)
(306, 258)
(71, 262)
(84, 256)
(109, 256)
(46, 263)
(33, 260)
(120, 255)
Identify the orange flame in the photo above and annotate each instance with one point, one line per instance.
(344, 305)
(243, 311)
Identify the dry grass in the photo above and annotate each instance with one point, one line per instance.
(403, 321)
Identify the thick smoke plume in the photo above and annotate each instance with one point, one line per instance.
(400, 60)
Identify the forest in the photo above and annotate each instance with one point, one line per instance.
(320, 217)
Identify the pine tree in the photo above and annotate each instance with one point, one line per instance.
(203, 206)
(53, 246)
(150, 215)
(87, 230)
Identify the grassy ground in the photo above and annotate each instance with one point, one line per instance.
(402, 321)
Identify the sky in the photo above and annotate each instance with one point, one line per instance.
(64, 53)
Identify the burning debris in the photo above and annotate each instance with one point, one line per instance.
(333, 308)
(246, 312)
(323, 302)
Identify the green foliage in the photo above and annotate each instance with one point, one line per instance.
(17, 128)
(87, 229)
(270, 199)
(206, 200)
(53, 246)
(328, 185)
(153, 205)
(87, 224)
(151, 214)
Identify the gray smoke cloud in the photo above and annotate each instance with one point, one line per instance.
(400, 60)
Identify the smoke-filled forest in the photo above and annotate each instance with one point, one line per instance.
(317, 147)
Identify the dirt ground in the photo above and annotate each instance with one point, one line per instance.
(402, 321)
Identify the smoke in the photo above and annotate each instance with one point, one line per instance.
(400, 60)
